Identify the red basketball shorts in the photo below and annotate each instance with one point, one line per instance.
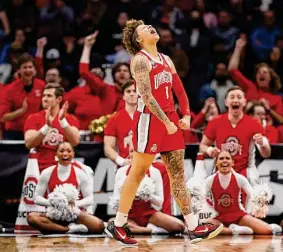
(150, 135)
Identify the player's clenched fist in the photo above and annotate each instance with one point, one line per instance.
(171, 128)
(212, 151)
(185, 123)
(258, 139)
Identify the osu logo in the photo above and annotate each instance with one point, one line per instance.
(232, 145)
(53, 138)
(29, 190)
(225, 200)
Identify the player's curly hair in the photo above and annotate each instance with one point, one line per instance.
(130, 36)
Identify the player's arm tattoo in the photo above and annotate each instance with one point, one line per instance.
(143, 82)
(174, 161)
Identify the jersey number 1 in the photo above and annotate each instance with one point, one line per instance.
(167, 92)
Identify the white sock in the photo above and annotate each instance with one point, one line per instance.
(156, 230)
(191, 221)
(238, 230)
(121, 219)
(275, 228)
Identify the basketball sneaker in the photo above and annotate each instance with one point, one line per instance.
(204, 232)
(122, 234)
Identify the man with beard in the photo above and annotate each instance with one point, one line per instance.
(21, 98)
(110, 96)
(218, 87)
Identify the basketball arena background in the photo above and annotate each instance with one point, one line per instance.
(14, 157)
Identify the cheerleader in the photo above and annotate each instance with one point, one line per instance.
(225, 188)
(57, 218)
(145, 215)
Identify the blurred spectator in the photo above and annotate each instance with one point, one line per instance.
(218, 87)
(170, 15)
(209, 18)
(197, 46)
(17, 47)
(111, 96)
(276, 56)
(21, 98)
(4, 24)
(166, 46)
(263, 38)
(21, 15)
(258, 111)
(265, 88)
(224, 36)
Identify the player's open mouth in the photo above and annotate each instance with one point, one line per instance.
(65, 159)
(261, 78)
(235, 107)
(153, 31)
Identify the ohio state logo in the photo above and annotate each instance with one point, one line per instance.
(53, 138)
(225, 200)
(29, 190)
(232, 145)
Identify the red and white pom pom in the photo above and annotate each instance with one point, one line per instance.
(196, 188)
(261, 196)
(146, 189)
(60, 208)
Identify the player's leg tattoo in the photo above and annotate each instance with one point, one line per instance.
(174, 161)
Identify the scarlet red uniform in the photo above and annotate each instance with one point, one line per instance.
(272, 134)
(84, 105)
(47, 149)
(110, 96)
(226, 201)
(14, 95)
(237, 140)
(150, 134)
(55, 181)
(120, 126)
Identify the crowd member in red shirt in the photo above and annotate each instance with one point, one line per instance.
(110, 96)
(118, 133)
(258, 111)
(46, 129)
(209, 111)
(21, 98)
(266, 87)
(238, 134)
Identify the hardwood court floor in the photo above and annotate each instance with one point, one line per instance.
(154, 244)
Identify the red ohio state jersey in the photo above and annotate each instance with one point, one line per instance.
(161, 81)
(120, 126)
(238, 139)
(47, 149)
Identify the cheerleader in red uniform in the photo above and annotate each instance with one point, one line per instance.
(225, 188)
(65, 172)
(145, 215)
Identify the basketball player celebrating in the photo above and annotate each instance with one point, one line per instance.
(53, 176)
(237, 133)
(225, 187)
(46, 129)
(156, 130)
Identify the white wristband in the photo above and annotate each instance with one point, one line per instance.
(265, 142)
(120, 161)
(209, 150)
(64, 123)
(44, 130)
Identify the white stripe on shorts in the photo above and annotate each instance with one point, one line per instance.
(143, 130)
